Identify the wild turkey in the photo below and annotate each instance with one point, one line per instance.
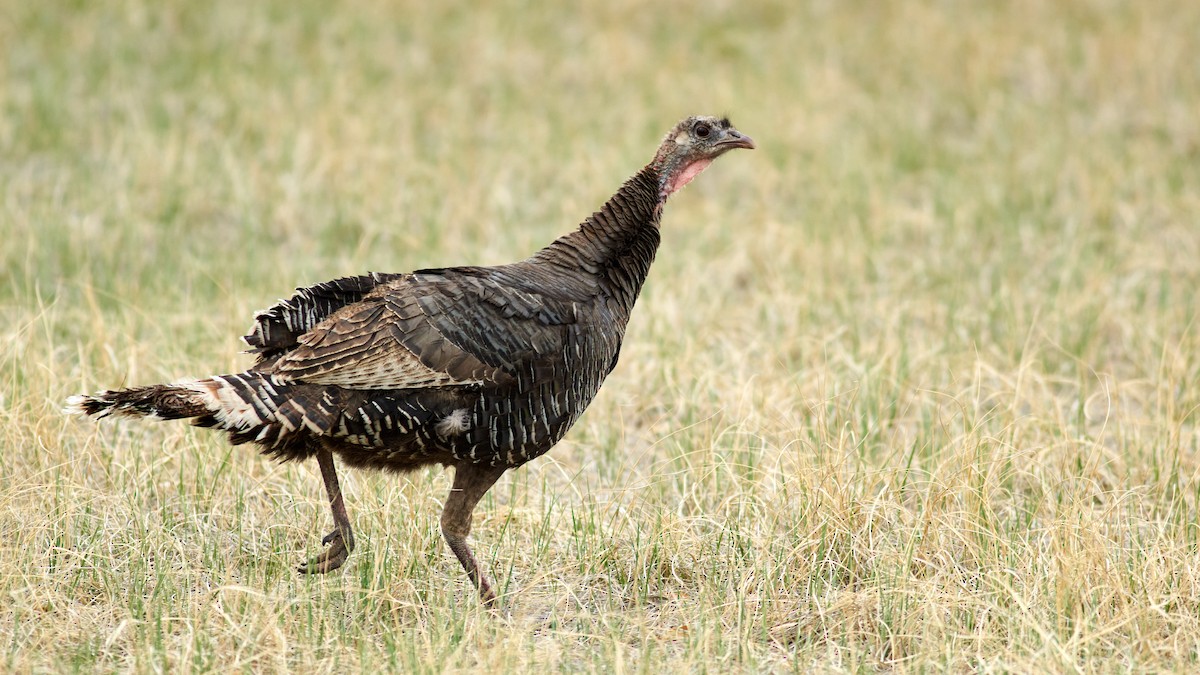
(480, 368)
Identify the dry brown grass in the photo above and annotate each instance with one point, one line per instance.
(912, 387)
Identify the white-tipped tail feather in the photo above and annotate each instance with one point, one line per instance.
(74, 405)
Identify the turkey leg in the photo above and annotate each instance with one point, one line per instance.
(341, 540)
(471, 482)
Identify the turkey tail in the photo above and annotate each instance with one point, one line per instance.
(162, 401)
(251, 406)
(256, 407)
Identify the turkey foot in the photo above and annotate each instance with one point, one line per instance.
(341, 539)
(333, 557)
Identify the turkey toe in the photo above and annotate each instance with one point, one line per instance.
(331, 558)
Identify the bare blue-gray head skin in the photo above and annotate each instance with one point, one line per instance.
(691, 146)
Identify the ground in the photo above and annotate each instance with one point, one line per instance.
(913, 386)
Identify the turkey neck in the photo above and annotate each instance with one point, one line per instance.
(616, 244)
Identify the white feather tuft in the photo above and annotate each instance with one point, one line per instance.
(453, 424)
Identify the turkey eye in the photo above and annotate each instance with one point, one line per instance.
(702, 131)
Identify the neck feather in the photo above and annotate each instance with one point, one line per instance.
(616, 244)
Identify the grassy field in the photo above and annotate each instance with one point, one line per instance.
(914, 386)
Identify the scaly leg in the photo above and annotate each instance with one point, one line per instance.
(471, 482)
(341, 540)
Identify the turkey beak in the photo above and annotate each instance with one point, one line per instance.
(736, 139)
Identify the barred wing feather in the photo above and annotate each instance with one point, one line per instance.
(431, 330)
(277, 328)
